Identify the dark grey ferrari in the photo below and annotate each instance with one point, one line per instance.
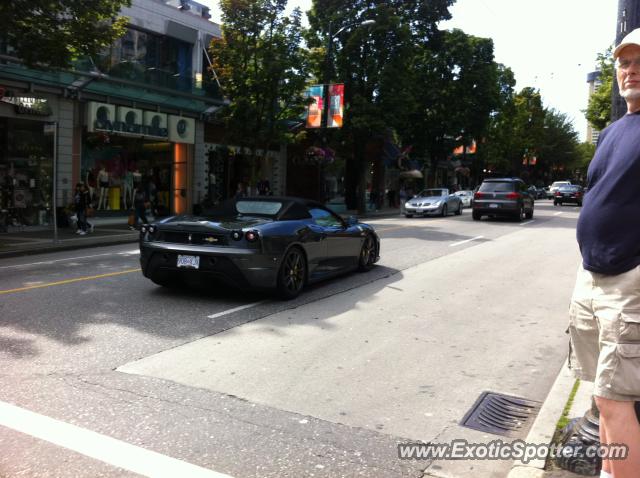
(272, 243)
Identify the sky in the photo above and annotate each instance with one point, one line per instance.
(550, 45)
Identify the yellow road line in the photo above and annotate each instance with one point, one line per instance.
(69, 281)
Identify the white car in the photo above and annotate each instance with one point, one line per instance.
(551, 192)
(466, 196)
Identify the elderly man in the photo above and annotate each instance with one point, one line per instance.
(604, 315)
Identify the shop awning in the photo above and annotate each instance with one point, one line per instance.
(100, 87)
(414, 173)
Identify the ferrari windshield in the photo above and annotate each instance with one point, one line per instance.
(260, 208)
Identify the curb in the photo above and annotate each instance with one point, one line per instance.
(75, 244)
(544, 426)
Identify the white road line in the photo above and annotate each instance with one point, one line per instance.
(464, 242)
(100, 447)
(126, 253)
(235, 309)
(528, 222)
(557, 213)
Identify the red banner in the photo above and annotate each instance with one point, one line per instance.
(315, 109)
(336, 105)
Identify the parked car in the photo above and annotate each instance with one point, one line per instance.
(542, 192)
(437, 201)
(569, 193)
(466, 197)
(533, 191)
(275, 243)
(551, 192)
(503, 197)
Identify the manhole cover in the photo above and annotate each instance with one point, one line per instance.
(501, 414)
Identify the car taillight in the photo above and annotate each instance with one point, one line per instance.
(478, 195)
(558, 193)
(578, 194)
(513, 196)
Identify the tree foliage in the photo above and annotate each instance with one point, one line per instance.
(375, 64)
(54, 33)
(457, 88)
(598, 111)
(262, 69)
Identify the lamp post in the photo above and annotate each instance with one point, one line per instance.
(328, 73)
(328, 64)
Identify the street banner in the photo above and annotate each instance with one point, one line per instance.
(315, 109)
(336, 105)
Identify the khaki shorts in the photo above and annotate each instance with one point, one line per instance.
(604, 326)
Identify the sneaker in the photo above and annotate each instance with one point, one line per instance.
(78, 231)
(83, 233)
(91, 228)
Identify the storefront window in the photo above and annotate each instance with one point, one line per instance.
(26, 172)
(113, 166)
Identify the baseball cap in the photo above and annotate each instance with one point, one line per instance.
(632, 38)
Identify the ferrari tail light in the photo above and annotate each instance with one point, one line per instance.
(251, 236)
(236, 235)
(513, 196)
(478, 195)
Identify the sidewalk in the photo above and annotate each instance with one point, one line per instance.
(544, 427)
(108, 231)
(19, 241)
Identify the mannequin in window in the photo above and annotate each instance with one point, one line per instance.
(103, 184)
(127, 195)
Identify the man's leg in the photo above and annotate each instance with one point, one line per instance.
(620, 424)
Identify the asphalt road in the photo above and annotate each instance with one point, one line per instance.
(105, 374)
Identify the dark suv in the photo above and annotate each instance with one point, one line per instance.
(503, 197)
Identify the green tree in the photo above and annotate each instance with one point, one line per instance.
(262, 70)
(584, 155)
(558, 151)
(598, 112)
(375, 64)
(457, 88)
(54, 33)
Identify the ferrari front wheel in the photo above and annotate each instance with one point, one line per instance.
(367, 254)
(292, 274)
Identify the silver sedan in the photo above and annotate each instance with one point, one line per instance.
(433, 202)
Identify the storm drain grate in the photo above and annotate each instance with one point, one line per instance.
(501, 414)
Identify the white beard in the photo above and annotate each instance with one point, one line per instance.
(630, 93)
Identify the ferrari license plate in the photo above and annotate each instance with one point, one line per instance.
(192, 262)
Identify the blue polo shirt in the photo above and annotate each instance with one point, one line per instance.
(608, 230)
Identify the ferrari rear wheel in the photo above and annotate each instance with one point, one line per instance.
(292, 274)
(367, 255)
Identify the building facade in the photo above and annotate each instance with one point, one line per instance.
(628, 20)
(133, 117)
(593, 82)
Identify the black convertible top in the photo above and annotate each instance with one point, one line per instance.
(293, 208)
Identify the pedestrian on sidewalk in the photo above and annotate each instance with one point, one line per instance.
(140, 203)
(402, 194)
(604, 316)
(81, 202)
